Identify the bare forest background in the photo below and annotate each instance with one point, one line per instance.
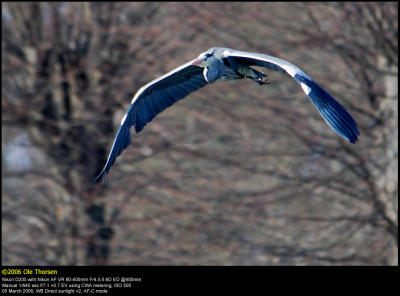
(234, 174)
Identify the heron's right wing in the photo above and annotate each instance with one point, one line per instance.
(152, 99)
(334, 114)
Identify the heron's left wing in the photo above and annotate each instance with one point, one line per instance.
(152, 99)
(333, 113)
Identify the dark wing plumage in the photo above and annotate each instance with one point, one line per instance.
(333, 113)
(152, 99)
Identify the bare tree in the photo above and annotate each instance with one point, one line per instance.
(235, 173)
(63, 65)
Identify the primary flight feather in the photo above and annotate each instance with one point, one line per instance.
(219, 63)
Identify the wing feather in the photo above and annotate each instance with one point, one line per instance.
(149, 101)
(334, 114)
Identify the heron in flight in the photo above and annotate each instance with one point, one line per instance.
(219, 63)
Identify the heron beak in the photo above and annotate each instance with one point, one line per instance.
(198, 61)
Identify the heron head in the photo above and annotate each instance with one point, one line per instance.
(204, 59)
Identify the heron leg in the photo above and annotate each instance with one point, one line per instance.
(257, 76)
(261, 81)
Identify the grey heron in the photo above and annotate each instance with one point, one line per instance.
(219, 63)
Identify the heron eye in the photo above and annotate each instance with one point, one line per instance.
(207, 55)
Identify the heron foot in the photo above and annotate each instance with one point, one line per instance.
(261, 81)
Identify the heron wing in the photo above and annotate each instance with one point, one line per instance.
(333, 113)
(149, 101)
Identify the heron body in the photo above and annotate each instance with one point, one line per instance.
(219, 63)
